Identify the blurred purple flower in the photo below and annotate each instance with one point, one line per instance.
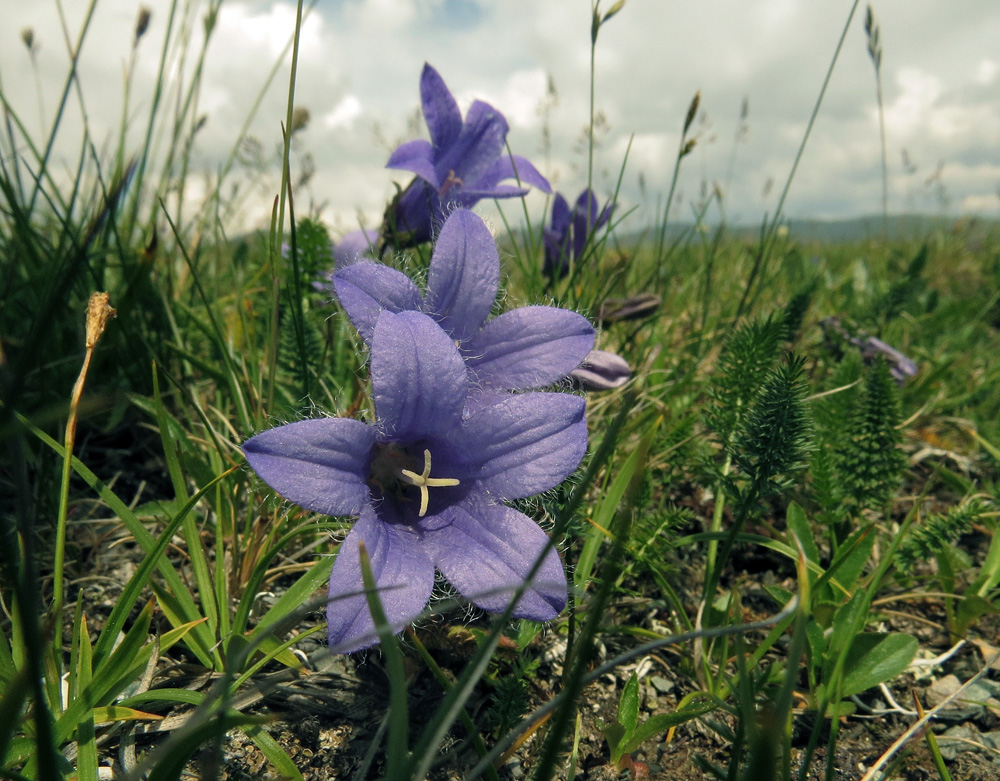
(354, 246)
(871, 347)
(463, 162)
(567, 235)
(615, 310)
(528, 347)
(601, 370)
(900, 366)
(427, 481)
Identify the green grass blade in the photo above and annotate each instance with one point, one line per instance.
(397, 755)
(275, 754)
(143, 572)
(184, 600)
(86, 739)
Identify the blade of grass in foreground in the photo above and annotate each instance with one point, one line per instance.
(203, 638)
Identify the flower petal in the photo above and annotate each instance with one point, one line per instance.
(475, 149)
(413, 216)
(464, 275)
(529, 347)
(586, 205)
(508, 166)
(404, 577)
(561, 214)
(441, 113)
(470, 196)
(415, 156)
(525, 444)
(319, 464)
(419, 380)
(486, 550)
(365, 289)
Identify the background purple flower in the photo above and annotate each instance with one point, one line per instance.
(463, 162)
(426, 481)
(528, 347)
(354, 246)
(566, 237)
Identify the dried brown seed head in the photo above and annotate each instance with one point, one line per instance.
(99, 311)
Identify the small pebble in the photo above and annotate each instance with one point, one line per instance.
(661, 684)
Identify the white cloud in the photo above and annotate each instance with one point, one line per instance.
(909, 114)
(344, 113)
(986, 72)
(360, 62)
(983, 202)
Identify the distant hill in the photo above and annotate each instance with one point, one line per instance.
(901, 226)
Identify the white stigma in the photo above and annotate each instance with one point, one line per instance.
(423, 481)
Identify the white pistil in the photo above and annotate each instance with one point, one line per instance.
(423, 481)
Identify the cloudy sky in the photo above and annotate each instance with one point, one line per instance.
(360, 62)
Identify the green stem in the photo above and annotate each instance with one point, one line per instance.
(768, 239)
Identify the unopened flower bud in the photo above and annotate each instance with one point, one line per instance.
(601, 370)
(635, 307)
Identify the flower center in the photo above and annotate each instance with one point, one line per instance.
(394, 470)
(451, 181)
(423, 481)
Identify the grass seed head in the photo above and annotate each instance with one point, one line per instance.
(141, 24)
(99, 311)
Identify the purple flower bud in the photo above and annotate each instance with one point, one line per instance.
(614, 310)
(900, 367)
(601, 370)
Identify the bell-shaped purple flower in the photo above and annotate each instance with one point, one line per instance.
(566, 237)
(528, 347)
(355, 246)
(427, 481)
(464, 161)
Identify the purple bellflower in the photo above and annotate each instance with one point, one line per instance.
(566, 237)
(527, 347)
(464, 161)
(427, 481)
(354, 246)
